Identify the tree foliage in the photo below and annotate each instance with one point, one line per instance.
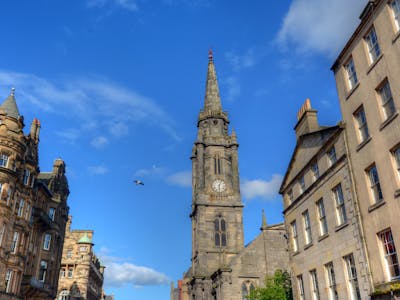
(277, 287)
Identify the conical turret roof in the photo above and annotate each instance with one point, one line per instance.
(85, 239)
(212, 101)
(10, 105)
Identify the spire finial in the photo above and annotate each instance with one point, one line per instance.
(210, 55)
(12, 91)
(264, 225)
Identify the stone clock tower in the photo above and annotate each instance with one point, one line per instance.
(217, 225)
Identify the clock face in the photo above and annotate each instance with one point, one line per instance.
(219, 185)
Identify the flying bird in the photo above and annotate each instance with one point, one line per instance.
(138, 182)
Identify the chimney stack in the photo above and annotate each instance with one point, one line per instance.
(307, 120)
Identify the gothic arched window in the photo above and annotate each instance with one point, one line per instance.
(247, 288)
(217, 165)
(245, 292)
(220, 232)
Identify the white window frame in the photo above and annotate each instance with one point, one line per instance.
(351, 74)
(47, 241)
(323, 224)
(290, 196)
(314, 285)
(396, 157)
(390, 254)
(21, 207)
(352, 278)
(372, 42)
(8, 281)
(295, 241)
(375, 185)
(395, 8)
(362, 125)
(26, 177)
(386, 98)
(64, 295)
(315, 171)
(2, 233)
(331, 280)
(341, 215)
(331, 153)
(43, 270)
(14, 243)
(302, 184)
(300, 286)
(9, 192)
(3, 160)
(52, 213)
(307, 227)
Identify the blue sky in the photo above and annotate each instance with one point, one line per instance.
(118, 85)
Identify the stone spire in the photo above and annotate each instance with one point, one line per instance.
(212, 101)
(264, 225)
(10, 105)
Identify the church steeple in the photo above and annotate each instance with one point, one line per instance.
(216, 204)
(212, 100)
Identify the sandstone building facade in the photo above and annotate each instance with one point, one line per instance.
(367, 74)
(359, 253)
(82, 274)
(33, 211)
(222, 266)
(327, 255)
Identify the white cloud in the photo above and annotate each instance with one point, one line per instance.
(125, 4)
(99, 142)
(118, 129)
(153, 171)
(322, 26)
(97, 170)
(261, 188)
(119, 272)
(91, 101)
(239, 62)
(232, 86)
(183, 179)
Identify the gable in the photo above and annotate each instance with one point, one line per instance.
(307, 147)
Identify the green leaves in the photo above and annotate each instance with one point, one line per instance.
(277, 287)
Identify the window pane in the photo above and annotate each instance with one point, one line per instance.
(223, 239)
(216, 225)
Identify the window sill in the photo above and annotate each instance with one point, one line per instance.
(396, 36)
(388, 120)
(341, 226)
(376, 205)
(322, 237)
(397, 193)
(374, 63)
(363, 143)
(352, 90)
(308, 245)
(295, 253)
